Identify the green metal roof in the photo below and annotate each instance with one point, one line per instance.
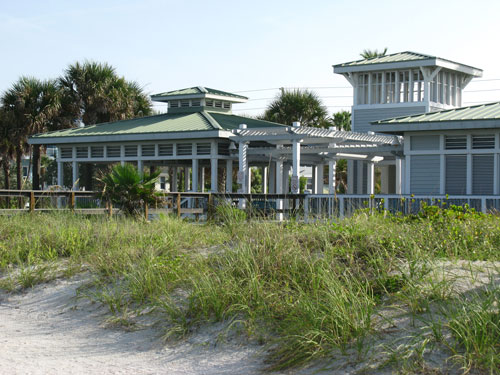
(165, 123)
(230, 122)
(490, 111)
(404, 59)
(392, 58)
(198, 90)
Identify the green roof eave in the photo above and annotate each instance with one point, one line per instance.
(198, 93)
(403, 60)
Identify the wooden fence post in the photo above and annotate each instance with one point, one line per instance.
(72, 201)
(146, 214)
(179, 205)
(110, 208)
(32, 201)
(210, 207)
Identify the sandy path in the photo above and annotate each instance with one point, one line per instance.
(45, 331)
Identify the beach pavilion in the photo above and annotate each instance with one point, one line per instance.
(199, 133)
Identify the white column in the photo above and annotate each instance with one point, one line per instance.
(286, 182)
(242, 164)
(60, 173)
(370, 176)
(229, 176)
(264, 180)
(399, 175)
(279, 186)
(75, 181)
(194, 168)
(332, 164)
(350, 176)
(319, 178)
(140, 167)
(359, 177)
(174, 179)
(202, 179)
(384, 179)
(186, 179)
(122, 155)
(314, 179)
(272, 178)
(214, 164)
(295, 163)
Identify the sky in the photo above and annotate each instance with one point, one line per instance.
(249, 47)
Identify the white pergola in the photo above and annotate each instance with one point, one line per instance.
(280, 149)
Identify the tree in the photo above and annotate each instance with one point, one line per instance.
(370, 54)
(125, 187)
(94, 93)
(297, 105)
(7, 147)
(342, 120)
(31, 105)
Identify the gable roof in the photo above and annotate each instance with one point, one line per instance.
(406, 59)
(198, 91)
(163, 124)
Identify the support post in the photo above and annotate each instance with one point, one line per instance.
(179, 205)
(32, 201)
(279, 188)
(272, 178)
(242, 168)
(264, 180)
(332, 164)
(350, 176)
(296, 163)
(319, 178)
(399, 175)
(213, 174)
(187, 179)
(194, 175)
(174, 179)
(75, 180)
(370, 176)
(140, 167)
(229, 176)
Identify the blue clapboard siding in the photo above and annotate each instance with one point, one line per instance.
(456, 174)
(482, 174)
(424, 174)
(363, 117)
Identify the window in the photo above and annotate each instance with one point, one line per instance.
(66, 152)
(184, 103)
(113, 151)
(223, 148)
(184, 149)
(203, 148)
(456, 142)
(25, 171)
(483, 141)
(482, 174)
(376, 88)
(417, 94)
(404, 86)
(174, 104)
(390, 87)
(363, 89)
(163, 183)
(195, 103)
(82, 152)
(218, 104)
(456, 174)
(96, 151)
(227, 105)
(209, 103)
(130, 151)
(148, 150)
(166, 150)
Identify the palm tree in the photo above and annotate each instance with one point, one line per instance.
(297, 105)
(370, 54)
(7, 148)
(342, 120)
(94, 93)
(31, 105)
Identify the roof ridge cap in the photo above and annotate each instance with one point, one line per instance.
(211, 120)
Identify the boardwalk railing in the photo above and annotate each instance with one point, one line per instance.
(203, 206)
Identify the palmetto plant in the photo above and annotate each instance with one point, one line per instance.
(126, 188)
